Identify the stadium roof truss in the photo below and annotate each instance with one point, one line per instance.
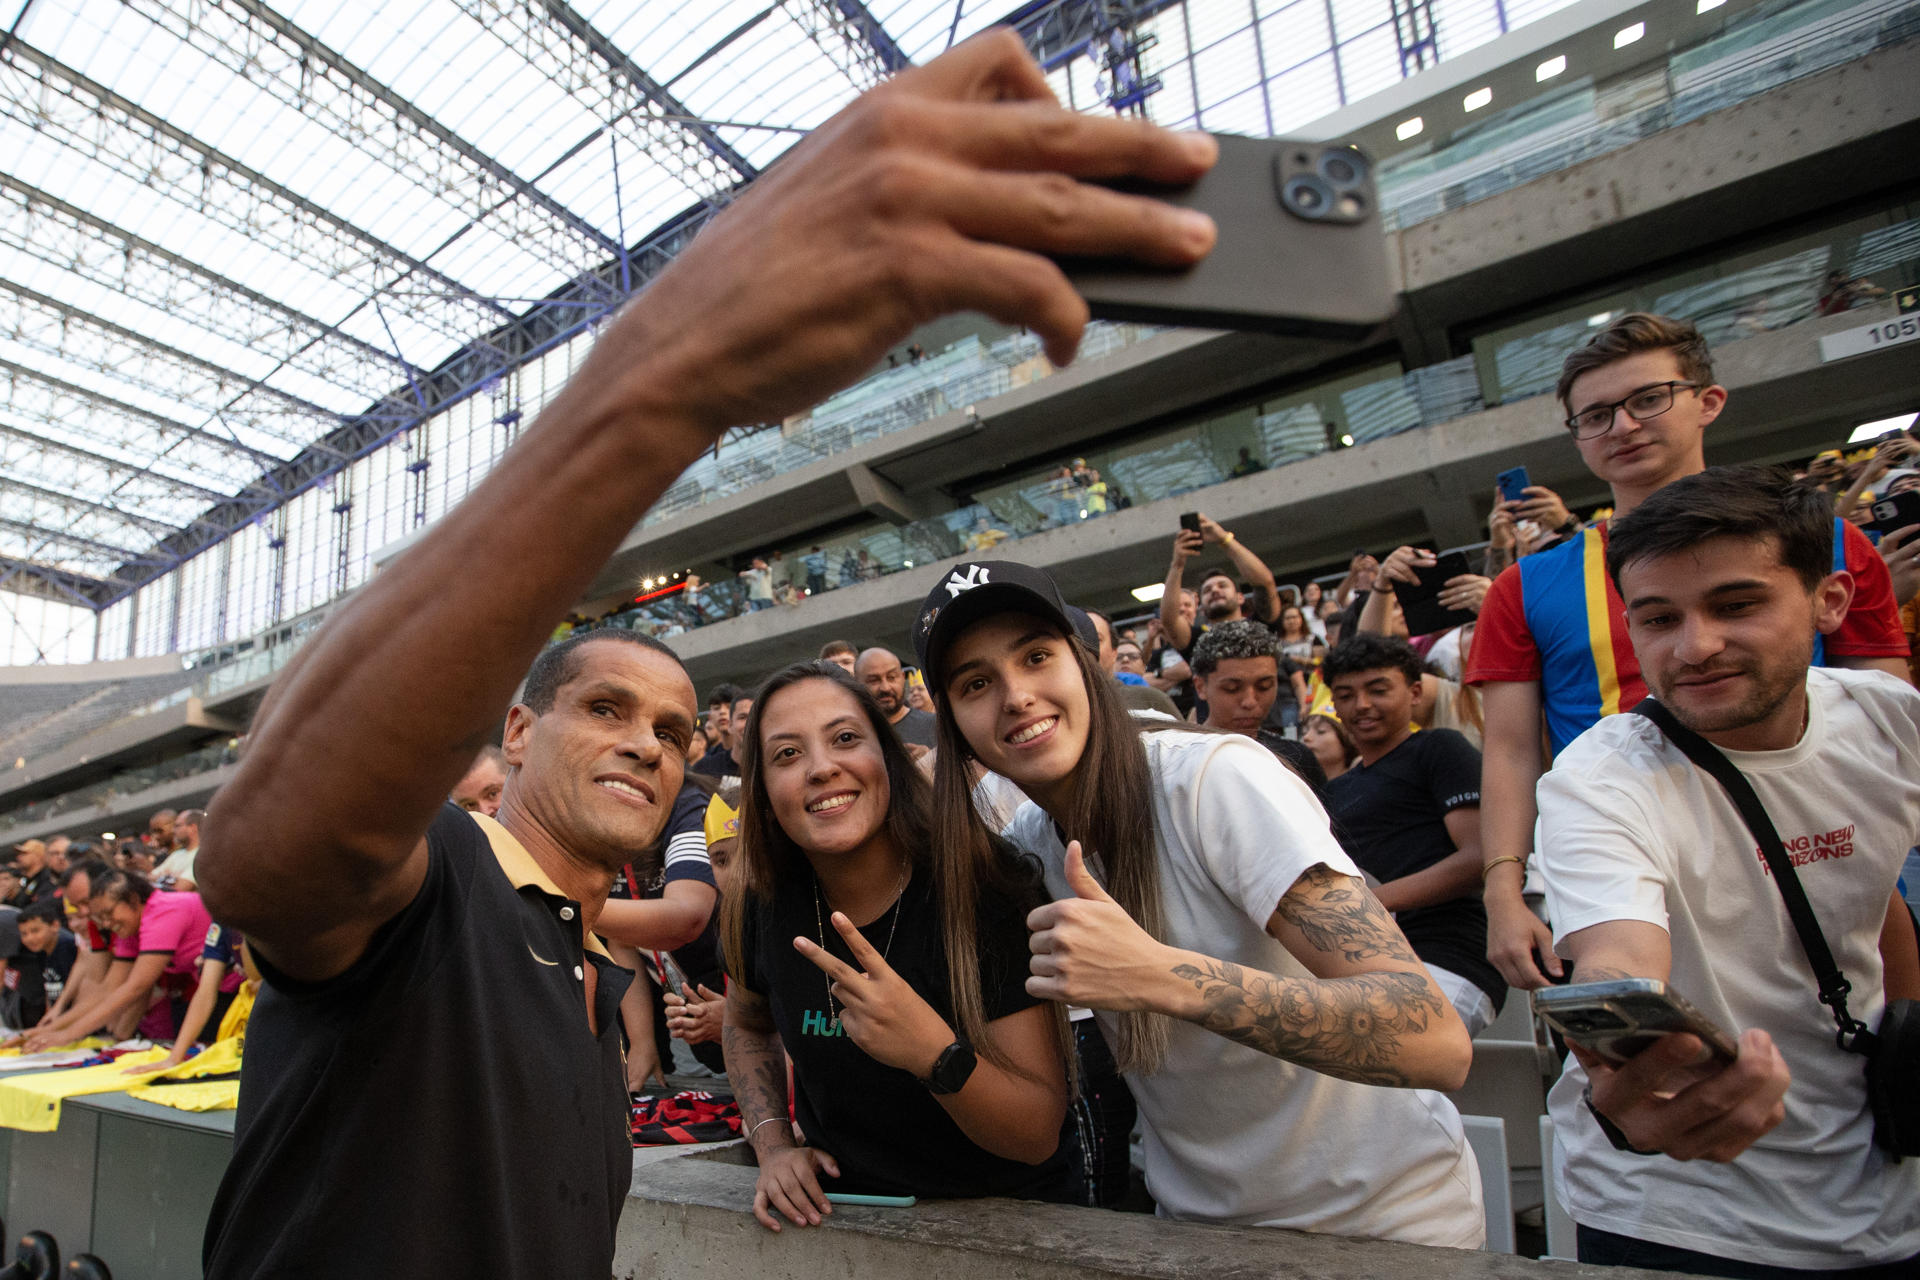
(242, 243)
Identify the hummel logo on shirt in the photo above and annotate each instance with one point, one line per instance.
(966, 580)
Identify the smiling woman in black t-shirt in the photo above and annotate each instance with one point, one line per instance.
(894, 978)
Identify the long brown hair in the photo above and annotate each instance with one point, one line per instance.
(1112, 818)
(768, 857)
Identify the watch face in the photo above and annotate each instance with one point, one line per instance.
(954, 1069)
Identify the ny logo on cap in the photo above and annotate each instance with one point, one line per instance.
(973, 576)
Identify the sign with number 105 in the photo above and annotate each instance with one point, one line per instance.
(1869, 338)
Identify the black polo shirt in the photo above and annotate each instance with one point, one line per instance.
(439, 1109)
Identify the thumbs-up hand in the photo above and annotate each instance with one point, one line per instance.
(1089, 952)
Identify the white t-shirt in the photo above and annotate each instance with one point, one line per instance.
(1631, 830)
(178, 864)
(1233, 1134)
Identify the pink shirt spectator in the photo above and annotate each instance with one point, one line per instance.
(174, 925)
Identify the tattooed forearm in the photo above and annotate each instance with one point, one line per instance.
(1335, 913)
(1354, 1028)
(758, 1072)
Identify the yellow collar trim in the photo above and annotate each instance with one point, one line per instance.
(521, 870)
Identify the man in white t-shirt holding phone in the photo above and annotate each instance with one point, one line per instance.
(1766, 1166)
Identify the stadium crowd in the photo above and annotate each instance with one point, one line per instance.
(957, 912)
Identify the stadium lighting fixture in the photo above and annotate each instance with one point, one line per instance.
(1550, 68)
(1409, 128)
(1627, 35)
(1477, 99)
(1705, 5)
(1594, 322)
(1150, 593)
(1874, 430)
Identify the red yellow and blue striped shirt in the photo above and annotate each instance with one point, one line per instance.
(1556, 618)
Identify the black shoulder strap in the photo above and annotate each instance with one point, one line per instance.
(1854, 1036)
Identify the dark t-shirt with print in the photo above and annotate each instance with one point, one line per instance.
(1390, 817)
(888, 1134)
(35, 979)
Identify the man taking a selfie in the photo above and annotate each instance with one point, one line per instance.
(1765, 1166)
(433, 1084)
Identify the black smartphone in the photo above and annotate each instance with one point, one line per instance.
(1623, 1017)
(1190, 522)
(1420, 603)
(1895, 513)
(1300, 251)
(1513, 484)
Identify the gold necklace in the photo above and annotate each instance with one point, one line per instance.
(833, 1012)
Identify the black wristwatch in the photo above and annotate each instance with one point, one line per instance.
(952, 1069)
(1609, 1129)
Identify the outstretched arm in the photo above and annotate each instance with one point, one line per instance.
(1665, 1098)
(127, 995)
(1186, 545)
(943, 190)
(1249, 568)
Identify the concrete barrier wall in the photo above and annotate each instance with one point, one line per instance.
(690, 1218)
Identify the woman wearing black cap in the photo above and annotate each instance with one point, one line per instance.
(896, 981)
(1254, 990)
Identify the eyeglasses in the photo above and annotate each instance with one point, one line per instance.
(1647, 402)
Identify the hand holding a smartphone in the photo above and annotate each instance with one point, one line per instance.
(1402, 565)
(1188, 542)
(1901, 550)
(1678, 1099)
(1664, 1073)
(1542, 506)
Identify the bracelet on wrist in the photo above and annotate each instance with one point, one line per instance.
(763, 1124)
(1225, 538)
(1379, 591)
(1505, 857)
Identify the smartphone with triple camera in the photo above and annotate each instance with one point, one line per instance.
(1300, 250)
(1895, 513)
(1190, 522)
(1513, 485)
(1622, 1018)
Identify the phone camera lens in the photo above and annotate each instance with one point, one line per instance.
(1308, 196)
(1343, 167)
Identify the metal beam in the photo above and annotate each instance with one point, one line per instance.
(97, 123)
(555, 39)
(13, 375)
(155, 529)
(105, 552)
(112, 473)
(46, 324)
(851, 37)
(268, 50)
(62, 235)
(24, 577)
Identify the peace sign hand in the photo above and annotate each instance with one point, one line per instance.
(881, 1013)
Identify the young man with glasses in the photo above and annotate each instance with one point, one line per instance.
(1552, 637)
